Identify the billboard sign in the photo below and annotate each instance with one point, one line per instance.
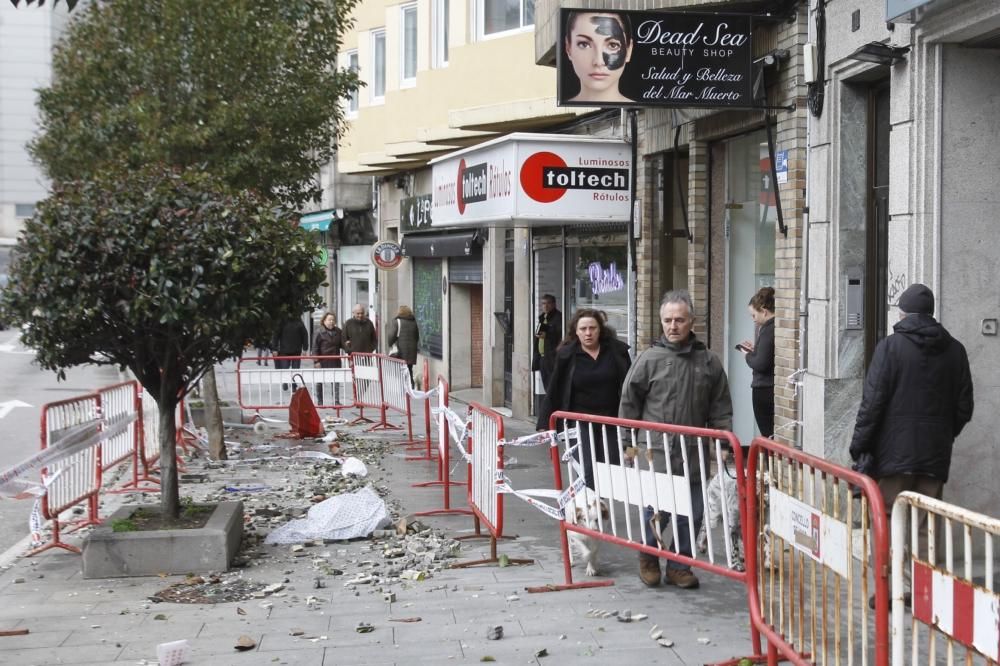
(672, 59)
(533, 180)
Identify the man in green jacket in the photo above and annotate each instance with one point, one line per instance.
(680, 382)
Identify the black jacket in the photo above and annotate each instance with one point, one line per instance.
(560, 393)
(917, 399)
(761, 359)
(404, 333)
(551, 325)
(291, 339)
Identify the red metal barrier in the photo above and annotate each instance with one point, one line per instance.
(146, 451)
(428, 439)
(263, 387)
(443, 457)
(485, 472)
(809, 507)
(641, 470)
(368, 387)
(79, 477)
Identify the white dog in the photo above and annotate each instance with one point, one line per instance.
(729, 502)
(584, 510)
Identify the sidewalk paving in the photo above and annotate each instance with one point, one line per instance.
(113, 621)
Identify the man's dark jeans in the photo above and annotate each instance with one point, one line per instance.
(683, 545)
(287, 364)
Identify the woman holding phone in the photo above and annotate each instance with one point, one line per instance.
(759, 356)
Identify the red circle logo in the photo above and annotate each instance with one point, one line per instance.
(459, 196)
(532, 180)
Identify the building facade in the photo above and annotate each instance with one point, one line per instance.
(27, 35)
(864, 164)
(903, 159)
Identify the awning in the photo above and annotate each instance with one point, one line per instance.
(441, 245)
(316, 221)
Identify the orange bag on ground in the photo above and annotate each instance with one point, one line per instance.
(302, 415)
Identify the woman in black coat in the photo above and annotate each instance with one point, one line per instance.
(759, 356)
(590, 368)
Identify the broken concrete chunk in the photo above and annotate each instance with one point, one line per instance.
(244, 643)
(665, 642)
(494, 633)
(364, 628)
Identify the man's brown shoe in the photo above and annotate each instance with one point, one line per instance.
(682, 578)
(649, 569)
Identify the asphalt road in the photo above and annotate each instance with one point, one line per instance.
(24, 388)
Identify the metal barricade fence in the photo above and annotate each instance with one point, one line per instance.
(427, 399)
(815, 553)
(950, 602)
(395, 377)
(645, 475)
(78, 477)
(486, 467)
(444, 455)
(367, 385)
(118, 401)
(264, 387)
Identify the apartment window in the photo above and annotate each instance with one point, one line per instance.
(439, 34)
(498, 16)
(353, 65)
(408, 40)
(24, 210)
(378, 66)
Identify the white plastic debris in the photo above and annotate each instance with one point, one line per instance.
(330, 436)
(342, 517)
(174, 653)
(353, 467)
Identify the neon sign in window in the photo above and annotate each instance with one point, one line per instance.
(604, 280)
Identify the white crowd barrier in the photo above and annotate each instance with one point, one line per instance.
(266, 387)
(118, 401)
(956, 610)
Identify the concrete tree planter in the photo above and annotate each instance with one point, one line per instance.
(109, 554)
(231, 413)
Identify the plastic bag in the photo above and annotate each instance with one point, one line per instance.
(348, 516)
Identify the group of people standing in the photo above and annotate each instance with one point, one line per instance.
(357, 336)
(917, 398)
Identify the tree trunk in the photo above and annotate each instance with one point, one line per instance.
(169, 493)
(213, 416)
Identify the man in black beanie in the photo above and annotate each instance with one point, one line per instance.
(917, 398)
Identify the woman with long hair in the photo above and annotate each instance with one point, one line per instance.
(591, 364)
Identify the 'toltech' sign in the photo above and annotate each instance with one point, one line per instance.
(534, 180)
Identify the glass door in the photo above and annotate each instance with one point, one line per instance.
(750, 221)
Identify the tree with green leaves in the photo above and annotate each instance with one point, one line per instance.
(247, 92)
(164, 272)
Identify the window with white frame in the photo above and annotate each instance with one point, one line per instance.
(439, 32)
(354, 66)
(496, 16)
(378, 66)
(408, 42)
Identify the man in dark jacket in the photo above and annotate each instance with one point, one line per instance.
(548, 335)
(359, 332)
(916, 400)
(680, 382)
(291, 339)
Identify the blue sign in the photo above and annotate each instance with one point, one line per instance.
(781, 166)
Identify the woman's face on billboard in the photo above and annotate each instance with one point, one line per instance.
(598, 48)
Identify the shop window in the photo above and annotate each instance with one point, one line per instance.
(427, 305)
(597, 279)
